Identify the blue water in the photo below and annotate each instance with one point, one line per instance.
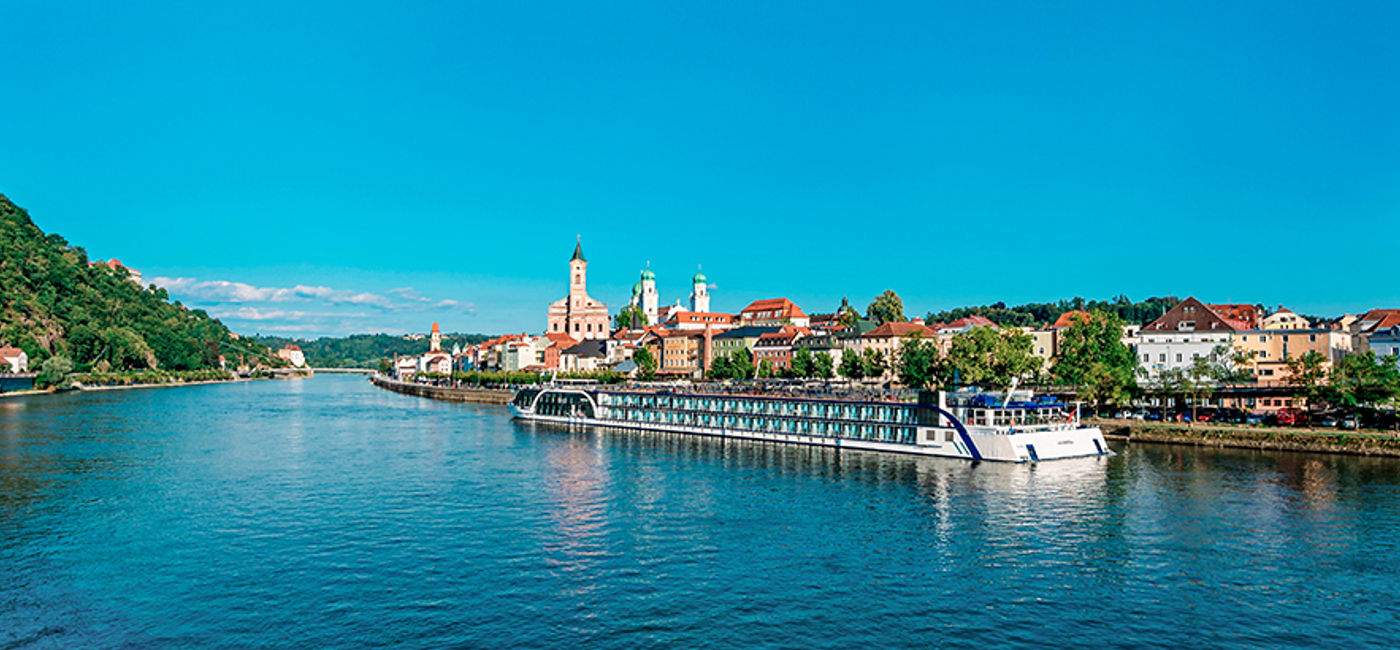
(328, 513)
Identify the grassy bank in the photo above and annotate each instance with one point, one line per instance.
(1369, 443)
(148, 377)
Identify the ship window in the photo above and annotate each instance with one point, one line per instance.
(948, 436)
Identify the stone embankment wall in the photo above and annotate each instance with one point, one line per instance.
(1206, 435)
(472, 395)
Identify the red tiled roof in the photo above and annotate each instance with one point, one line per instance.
(900, 330)
(785, 308)
(291, 346)
(1066, 319)
(435, 328)
(1203, 319)
(560, 337)
(10, 352)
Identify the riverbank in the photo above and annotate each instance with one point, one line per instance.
(1273, 438)
(164, 384)
(468, 395)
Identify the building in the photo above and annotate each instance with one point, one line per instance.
(699, 293)
(1284, 319)
(887, 338)
(1246, 314)
(773, 312)
(739, 338)
(116, 265)
(587, 356)
(1386, 343)
(694, 320)
(578, 315)
(293, 355)
(1270, 350)
(821, 343)
(13, 360)
(1186, 331)
(645, 297)
(776, 347)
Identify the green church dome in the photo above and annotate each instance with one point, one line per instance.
(637, 289)
(648, 275)
(699, 278)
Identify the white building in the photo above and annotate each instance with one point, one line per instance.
(13, 360)
(293, 355)
(1189, 330)
(699, 294)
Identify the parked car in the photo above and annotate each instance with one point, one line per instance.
(1290, 417)
(1254, 418)
(1349, 422)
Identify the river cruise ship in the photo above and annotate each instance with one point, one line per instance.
(1012, 427)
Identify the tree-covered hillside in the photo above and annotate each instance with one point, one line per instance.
(364, 350)
(52, 303)
(1029, 314)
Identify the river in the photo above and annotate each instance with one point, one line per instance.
(328, 513)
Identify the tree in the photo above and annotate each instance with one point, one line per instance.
(631, 317)
(852, 366)
(741, 363)
(822, 365)
(55, 371)
(386, 366)
(920, 363)
(874, 363)
(886, 308)
(991, 357)
(646, 364)
(802, 363)
(720, 368)
(1363, 379)
(1093, 357)
(765, 370)
(847, 315)
(1198, 380)
(1307, 374)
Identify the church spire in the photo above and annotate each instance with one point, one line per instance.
(578, 251)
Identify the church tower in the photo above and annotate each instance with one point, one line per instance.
(578, 273)
(435, 339)
(699, 294)
(650, 299)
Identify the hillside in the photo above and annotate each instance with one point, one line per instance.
(53, 303)
(363, 350)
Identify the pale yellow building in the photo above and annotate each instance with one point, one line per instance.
(1273, 348)
(1284, 319)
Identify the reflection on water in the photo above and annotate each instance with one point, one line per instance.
(325, 512)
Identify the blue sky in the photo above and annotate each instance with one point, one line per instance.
(324, 168)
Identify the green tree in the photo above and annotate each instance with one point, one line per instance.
(847, 315)
(1093, 358)
(802, 363)
(920, 363)
(874, 362)
(822, 365)
(1307, 374)
(646, 364)
(852, 366)
(886, 308)
(765, 370)
(1363, 379)
(55, 371)
(386, 366)
(719, 368)
(741, 363)
(991, 357)
(631, 317)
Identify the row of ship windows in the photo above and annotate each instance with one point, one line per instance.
(819, 428)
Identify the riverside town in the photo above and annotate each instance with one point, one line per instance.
(790, 325)
(1188, 362)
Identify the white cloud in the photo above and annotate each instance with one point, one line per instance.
(254, 313)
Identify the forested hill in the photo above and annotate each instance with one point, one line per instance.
(364, 350)
(52, 303)
(1028, 314)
